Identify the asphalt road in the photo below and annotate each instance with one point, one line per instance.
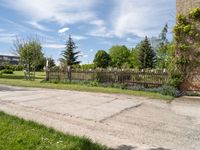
(119, 121)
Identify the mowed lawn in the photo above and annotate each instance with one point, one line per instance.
(17, 79)
(18, 134)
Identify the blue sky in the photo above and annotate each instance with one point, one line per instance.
(93, 24)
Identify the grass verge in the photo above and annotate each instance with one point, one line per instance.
(19, 134)
(12, 80)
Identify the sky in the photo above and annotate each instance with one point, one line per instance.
(93, 24)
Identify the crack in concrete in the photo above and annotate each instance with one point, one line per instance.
(120, 112)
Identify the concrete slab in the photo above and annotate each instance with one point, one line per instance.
(119, 121)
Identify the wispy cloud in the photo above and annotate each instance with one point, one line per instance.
(79, 37)
(38, 26)
(54, 46)
(63, 30)
(60, 11)
(141, 17)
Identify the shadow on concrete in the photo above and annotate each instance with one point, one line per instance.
(125, 147)
(5, 89)
(160, 148)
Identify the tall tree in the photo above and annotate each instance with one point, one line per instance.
(119, 55)
(133, 58)
(147, 56)
(163, 49)
(70, 56)
(102, 59)
(30, 52)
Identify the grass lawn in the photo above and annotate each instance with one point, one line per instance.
(18, 134)
(17, 79)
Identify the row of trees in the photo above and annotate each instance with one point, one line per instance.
(142, 56)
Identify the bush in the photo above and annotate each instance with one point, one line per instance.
(169, 90)
(7, 71)
(176, 79)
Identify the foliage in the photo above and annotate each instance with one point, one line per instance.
(163, 49)
(30, 52)
(42, 63)
(19, 134)
(102, 59)
(133, 58)
(176, 78)
(7, 71)
(147, 56)
(187, 35)
(119, 55)
(70, 56)
(85, 67)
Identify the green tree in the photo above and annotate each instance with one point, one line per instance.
(133, 58)
(163, 49)
(119, 55)
(30, 52)
(70, 56)
(102, 59)
(147, 56)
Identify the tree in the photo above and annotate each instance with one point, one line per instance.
(51, 62)
(163, 49)
(133, 58)
(119, 55)
(70, 56)
(30, 52)
(102, 59)
(147, 56)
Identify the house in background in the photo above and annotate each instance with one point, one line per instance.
(9, 58)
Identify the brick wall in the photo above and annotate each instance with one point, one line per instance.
(192, 83)
(184, 6)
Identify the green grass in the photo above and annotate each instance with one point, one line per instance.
(19, 81)
(18, 134)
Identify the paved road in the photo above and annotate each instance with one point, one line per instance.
(119, 121)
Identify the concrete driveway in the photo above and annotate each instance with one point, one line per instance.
(119, 121)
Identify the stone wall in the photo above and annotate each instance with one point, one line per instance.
(184, 6)
(192, 82)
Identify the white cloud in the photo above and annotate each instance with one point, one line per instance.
(142, 17)
(38, 26)
(6, 37)
(60, 11)
(54, 46)
(100, 29)
(79, 37)
(63, 30)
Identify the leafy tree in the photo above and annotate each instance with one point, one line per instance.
(102, 59)
(30, 52)
(70, 56)
(163, 49)
(147, 56)
(42, 63)
(51, 62)
(133, 58)
(119, 55)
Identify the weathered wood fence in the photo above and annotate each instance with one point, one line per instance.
(150, 78)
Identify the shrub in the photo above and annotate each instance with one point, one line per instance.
(169, 90)
(7, 71)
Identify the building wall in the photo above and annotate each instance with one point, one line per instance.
(11, 59)
(192, 83)
(184, 6)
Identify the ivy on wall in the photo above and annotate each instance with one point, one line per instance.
(187, 37)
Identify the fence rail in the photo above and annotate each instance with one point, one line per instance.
(149, 78)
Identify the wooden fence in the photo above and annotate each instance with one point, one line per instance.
(150, 78)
